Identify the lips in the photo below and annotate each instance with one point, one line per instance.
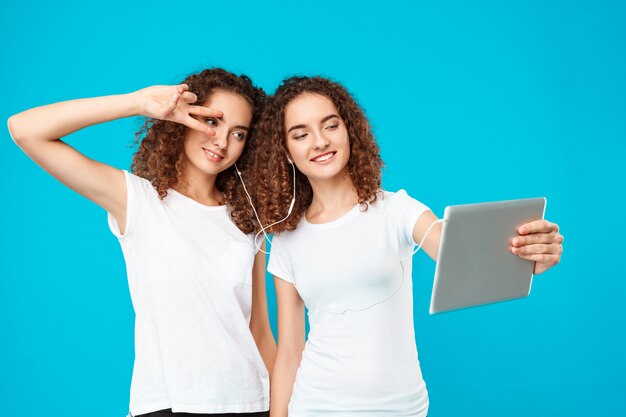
(212, 156)
(324, 157)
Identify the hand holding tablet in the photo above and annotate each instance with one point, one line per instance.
(476, 264)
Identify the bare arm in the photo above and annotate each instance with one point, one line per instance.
(259, 318)
(38, 133)
(291, 339)
(431, 244)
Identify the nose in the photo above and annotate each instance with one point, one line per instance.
(320, 141)
(220, 140)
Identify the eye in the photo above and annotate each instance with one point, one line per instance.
(239, 135)
(332, 127)
(300, 137)
(211, 122)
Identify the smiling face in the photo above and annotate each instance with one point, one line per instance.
(211, 155)
(316, 137)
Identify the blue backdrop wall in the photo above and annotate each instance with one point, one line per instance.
(470, 101)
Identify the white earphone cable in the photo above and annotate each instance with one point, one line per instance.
(293, 201)
(263, 228)
(424, 238)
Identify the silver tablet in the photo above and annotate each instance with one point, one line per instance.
(474, 265)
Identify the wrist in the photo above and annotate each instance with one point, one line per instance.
(135, 100)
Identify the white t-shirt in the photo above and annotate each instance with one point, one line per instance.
(190, 275)
(360, 357)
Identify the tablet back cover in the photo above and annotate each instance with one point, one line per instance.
(474, 264)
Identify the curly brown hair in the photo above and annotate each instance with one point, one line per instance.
(159, 158)
(273, 177)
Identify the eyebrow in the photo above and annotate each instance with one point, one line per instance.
(236, 127)
(330, 116)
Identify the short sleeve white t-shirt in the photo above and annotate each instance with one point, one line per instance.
(354, 275)
(190, 275)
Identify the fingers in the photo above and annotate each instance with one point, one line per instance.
(543, 258)
(538, 226)
(169, 107)
(182, 115)
(192, 123)
(540, 242)
(534, 238)
(204, 111)
(189, 97)
(538, 249)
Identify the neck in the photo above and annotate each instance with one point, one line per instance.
(200, 187)
(332, 197)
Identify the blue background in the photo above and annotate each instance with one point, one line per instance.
(471, 101)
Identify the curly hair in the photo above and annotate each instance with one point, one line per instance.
(159, 158)
(273, 177)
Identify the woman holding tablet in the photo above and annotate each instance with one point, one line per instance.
(345, 254)
(202, 338)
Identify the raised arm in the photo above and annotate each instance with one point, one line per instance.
(38, 133)
(259, 318)
(291, 339)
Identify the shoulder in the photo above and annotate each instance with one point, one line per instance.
(290, 240)
(287, 235)
(139, 186)
(391, 195)
(399, 203)
(135, 179)
(400, 196)
(394, 198)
